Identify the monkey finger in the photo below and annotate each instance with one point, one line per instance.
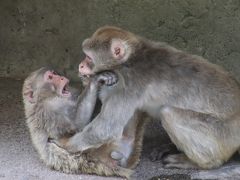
(51, 140)
(112, 80)
(107, 78)
(105, 81)
(54, 141)
(101, 79)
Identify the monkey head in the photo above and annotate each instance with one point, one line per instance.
(106, 48)
(45, 83)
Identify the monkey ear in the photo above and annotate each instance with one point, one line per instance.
(118, 49)
(28, 94)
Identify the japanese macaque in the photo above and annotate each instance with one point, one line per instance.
(56, 111)
(198, 102)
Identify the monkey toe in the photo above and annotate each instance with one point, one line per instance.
(156, 154)
(179, 161)
(174, 166)
(172, 161)
(173, 158)
(182, 165)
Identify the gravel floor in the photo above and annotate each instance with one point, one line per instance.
(19, 160)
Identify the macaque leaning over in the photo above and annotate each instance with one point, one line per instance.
(55, 111)
(198, 102)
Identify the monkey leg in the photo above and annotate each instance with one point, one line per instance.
(129, 147)
(125, 145)
(203, 138)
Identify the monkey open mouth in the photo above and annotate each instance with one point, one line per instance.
(65, 91)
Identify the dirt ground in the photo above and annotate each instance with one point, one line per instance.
(19, 160)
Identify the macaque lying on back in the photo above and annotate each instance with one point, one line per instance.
(56, 111)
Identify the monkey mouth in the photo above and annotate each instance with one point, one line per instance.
(65, 90)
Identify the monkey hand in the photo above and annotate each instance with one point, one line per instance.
(120, 158)
(107, 78)
(123, 152)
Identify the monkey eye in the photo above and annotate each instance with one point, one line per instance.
(88, 58)
(50, 77)
(54, 73)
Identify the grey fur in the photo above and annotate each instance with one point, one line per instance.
(50, 116)
(197, 101)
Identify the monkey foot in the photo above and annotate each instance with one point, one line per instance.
(160, 152)
(178, 161)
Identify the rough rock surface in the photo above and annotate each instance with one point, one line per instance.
(37, 33)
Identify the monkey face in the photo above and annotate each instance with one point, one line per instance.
(107, 48)
(86, 66)
(57, 83)
(46, 83)
(97, 57)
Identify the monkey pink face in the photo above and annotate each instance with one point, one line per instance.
(60, 83)
(85, 67)
(102, 54)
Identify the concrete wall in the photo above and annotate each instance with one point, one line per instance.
(35, 33)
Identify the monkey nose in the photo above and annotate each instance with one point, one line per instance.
(62, 78)
(80, 67)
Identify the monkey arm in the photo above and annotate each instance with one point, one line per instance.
(87, 100)
(86, 105)
(107, 126)
(40, 139)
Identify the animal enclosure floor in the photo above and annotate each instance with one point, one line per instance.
(19, 160)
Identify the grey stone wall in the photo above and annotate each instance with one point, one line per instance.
(35, 33)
